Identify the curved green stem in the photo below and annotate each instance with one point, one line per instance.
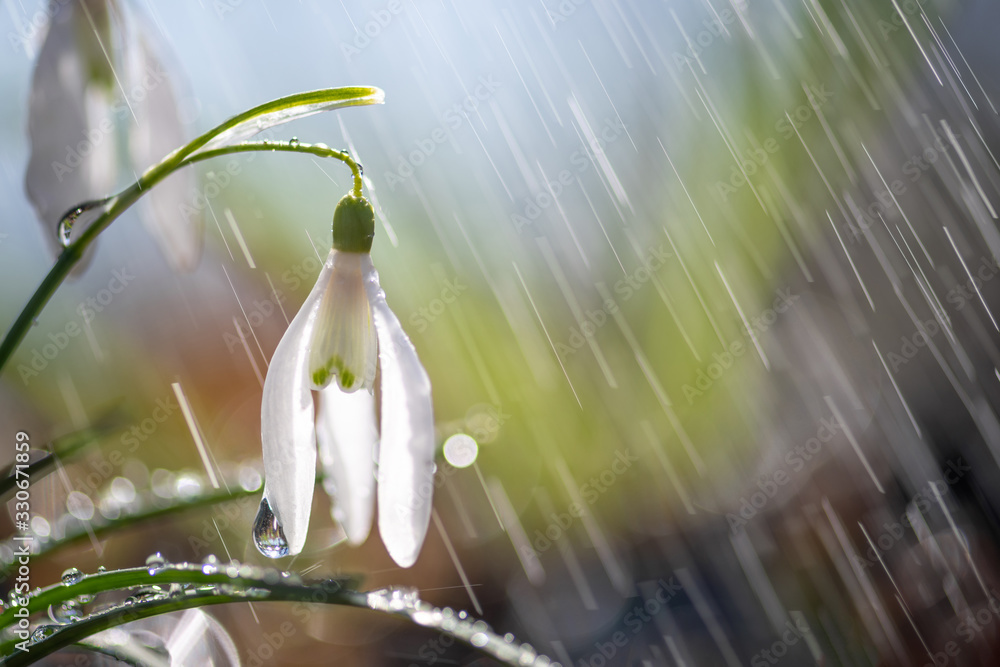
(103, 582)
(319, 150)
(100, 530)
(120, 203)
(237, 583)
(247, 124)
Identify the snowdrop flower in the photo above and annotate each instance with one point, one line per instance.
(341, 336)
(98, 80)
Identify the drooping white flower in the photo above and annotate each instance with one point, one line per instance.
(343, 334)
(98, 80)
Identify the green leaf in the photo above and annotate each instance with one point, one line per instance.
(267, 115)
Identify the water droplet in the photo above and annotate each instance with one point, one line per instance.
(267, 533)
(210, 565)
(460, 450)
(80, 506)
(155, 563)
(71, 576)
(294, 141)
(463, 614)
(67, 612)
(76, 220)
(101, 569)
(528, 655)
(43, 632)
(479, 639)
(187, 486)
(250, 478)
(361, 168)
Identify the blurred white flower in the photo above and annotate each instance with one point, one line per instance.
(190, 637)
(330, 348)
(98, 83)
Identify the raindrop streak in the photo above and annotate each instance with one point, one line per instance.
(80, 218)
(267, 533)
(71, 576)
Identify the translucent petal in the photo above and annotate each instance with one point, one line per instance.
(168, 211)
(71, 119)
(287, 427)
(406, 450)
(298, 106)
(344, 344)
(347, 436)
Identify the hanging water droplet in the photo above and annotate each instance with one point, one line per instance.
(267, 532)
(155, 563)
(76, 220)
(71, 576)
(43, 632)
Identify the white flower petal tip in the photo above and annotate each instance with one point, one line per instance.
(344, 345)
(287, 427)
(347, 438)
(406, 452)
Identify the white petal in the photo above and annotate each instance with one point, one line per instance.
(168, 211)
(347, 436)
(287, 427)
(70, 120)
(406, 450)
(344, 344)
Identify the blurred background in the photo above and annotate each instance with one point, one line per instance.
(709, 283)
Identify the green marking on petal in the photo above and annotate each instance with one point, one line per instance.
(334, 367)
